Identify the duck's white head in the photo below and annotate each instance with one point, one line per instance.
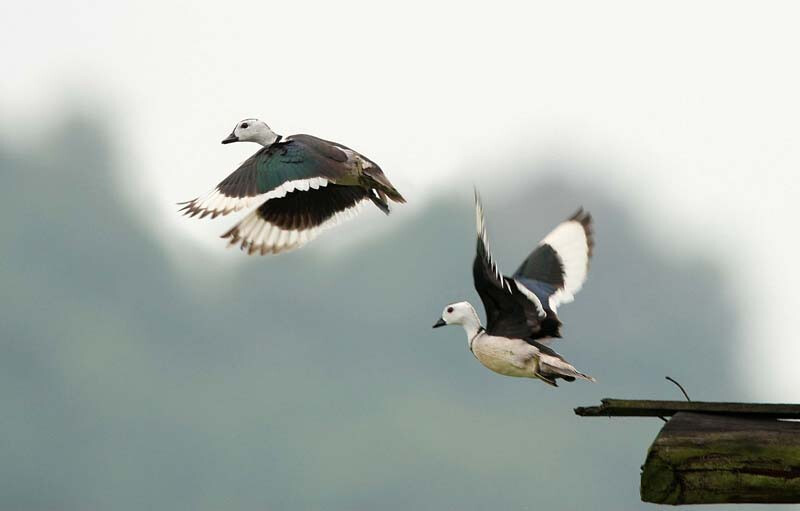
(460, 313)
(252, 130)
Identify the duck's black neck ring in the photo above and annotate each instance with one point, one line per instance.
(472, 339)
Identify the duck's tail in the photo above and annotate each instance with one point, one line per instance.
(552, 367)
(375, 178)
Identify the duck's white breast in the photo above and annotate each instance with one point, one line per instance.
(511, 357)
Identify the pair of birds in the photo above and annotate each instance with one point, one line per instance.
(303, 185)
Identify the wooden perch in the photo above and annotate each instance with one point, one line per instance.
(714, 459)
(647, 408)
(713, 453)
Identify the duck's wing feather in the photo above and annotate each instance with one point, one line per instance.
(511, 309)
(557, 268)
(289, 222)
(300, 163)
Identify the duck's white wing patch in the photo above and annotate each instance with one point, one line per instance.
(217, 203)
(255, 235)
(572, 243)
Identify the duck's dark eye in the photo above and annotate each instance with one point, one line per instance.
(244, 125)
(449, 310)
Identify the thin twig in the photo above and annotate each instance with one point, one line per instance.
(680, 387)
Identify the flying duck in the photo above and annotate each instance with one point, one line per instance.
(521, 309)
(301, 184)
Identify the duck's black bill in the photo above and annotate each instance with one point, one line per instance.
(231, 138)
(439, 323)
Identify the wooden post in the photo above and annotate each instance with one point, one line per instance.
(713, 453)
(713, 459)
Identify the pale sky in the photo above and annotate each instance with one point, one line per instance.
(690, 107)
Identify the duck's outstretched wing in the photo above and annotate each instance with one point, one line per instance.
(289, 222)
(511, 310)
(558, 267)
(301, 163)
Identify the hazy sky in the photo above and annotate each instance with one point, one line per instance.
(689, 109)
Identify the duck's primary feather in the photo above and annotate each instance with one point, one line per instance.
(510, 312)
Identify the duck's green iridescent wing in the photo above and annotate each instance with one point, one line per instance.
(301, 163)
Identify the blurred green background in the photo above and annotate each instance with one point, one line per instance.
(313, 380)
(143, 366)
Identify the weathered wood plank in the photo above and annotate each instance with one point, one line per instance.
(649, 408)
(711, 458)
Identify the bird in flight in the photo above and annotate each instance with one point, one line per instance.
(301, 184)
(521, 309)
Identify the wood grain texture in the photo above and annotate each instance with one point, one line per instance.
(701, 458)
